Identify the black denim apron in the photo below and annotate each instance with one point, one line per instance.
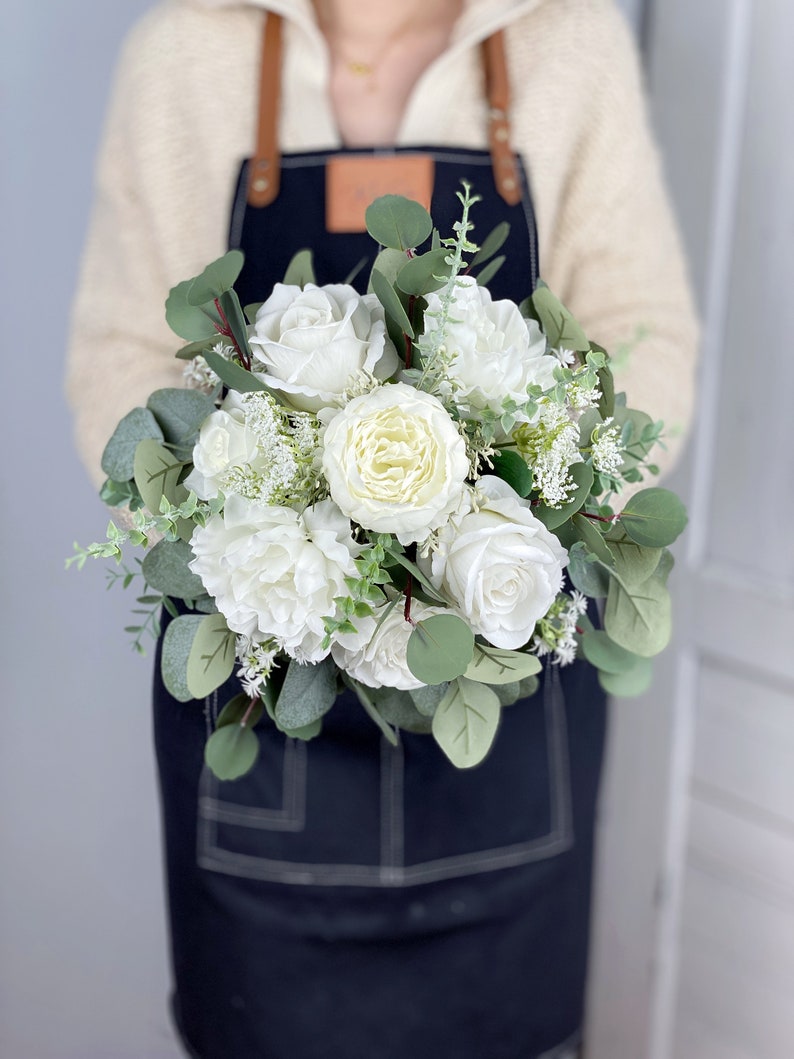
(353, 900)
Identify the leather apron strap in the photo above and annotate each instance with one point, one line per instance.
(264, 171)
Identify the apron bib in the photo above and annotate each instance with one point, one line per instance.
(352, 899)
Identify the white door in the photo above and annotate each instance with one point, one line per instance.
(694, 938)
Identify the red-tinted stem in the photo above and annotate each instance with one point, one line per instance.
(247, 713)
(227, 332)
(600, 518)
(409, 588)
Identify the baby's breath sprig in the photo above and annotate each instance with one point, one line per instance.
(365, 593)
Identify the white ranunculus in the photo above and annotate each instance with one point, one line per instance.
(498, 565)
(496, 353)
(315, 340)
(224, 442)
(275, 573)
(377, 659)
(395, 462)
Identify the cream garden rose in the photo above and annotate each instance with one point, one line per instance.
(498, 564)
(274, 573)
(395, 462)
(315, 340)
(225, 441)
(496, 353)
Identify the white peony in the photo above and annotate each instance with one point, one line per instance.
(275, 573)
(395, 462)
(498, 565)
(379, 660)
(495, 353)
(314, 341)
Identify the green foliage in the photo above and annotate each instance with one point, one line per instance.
(193, 323)
(495, 665)
(300, 270)
(631, 682)
(654, 517)
(232, 310)
(440, 648)
(177, 643)
(232, 375)
(553, 517)
(425, 273)
(485, 275)
(118, 458)
(512, 468)
(491, 245)
(559, 325)
(180, 413)
(465, 723)
(593, 539)
(307, 693)
(639, 618)
(427, 697)
(233, 748)
(586, 572)
(157, 474)
(398, 708)
(166, 569)
(120, 494)
(211, 659)
(398, 222)
(633, 563)
(605, 654)
(217, 278)
(391, 303)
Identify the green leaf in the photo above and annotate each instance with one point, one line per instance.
(465, 723)
(485, 275)
(165, 568)
(440, 648)
(308, 692)
(232, 749)
(665, 567)
(605, 654)
(180, 413)
(211, 660)
(216, 278)
(251, 310)
(195, 349)
(593, 539)
(232, 309)
(606, 383)
(232, 375)
(515, 690)
(492, 243)
(389, 262)
(120, 494)
(587, 573)
(300, 270)
(632, 424)
(414, 570)
(513, 469)
(397, 708)
(157, 475)
(559, 325)
(118, 459)
(633, 563)
(654, 517)
(418, 275)
(553, 517)
(177, 642)
(239, 709)
(190, 322)
(427, 697)
(391, 303)
(639, 619)
(398, 222)
(634, 681)
(495, 665)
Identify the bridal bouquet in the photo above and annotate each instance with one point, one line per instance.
(407, 492)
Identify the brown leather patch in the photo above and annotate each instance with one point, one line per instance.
(353, 182)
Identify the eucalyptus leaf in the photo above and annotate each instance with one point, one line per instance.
(180, 413)
(427, 697)
(389, 262)
(239, 709)
(639, 619)
(232, 309)
(308, 692)
(419, 274)
(251, 310)
(485, 275)
(593, 539)
(398, 222)
(190, 322)
(632, 423)
(465, 723)
(232, 375)
(492, 244)
(118, 459)
(165, 568)
(559, 325)
(398, 708)
(391, 303)
(216, 278)
(654, 517)
(120, 494)
(587, 573)
(634, 681)
(665, 567)
(606, 383)
(212, 656)
(231, 751)
(633, 563)
(552, 517)
(440, 648)
(157, 474)
(196, 349)
(300, 270)
(508, 694)
(177, 642)
(513, 469)
(605, 654)
(496, 665)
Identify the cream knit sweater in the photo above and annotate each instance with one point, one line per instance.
(182, 117)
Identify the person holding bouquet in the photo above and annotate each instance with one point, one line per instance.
(350, 897)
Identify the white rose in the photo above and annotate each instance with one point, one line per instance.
(395, 462)
(379, 660)
(496, 353)
(275, 573)
(225, 441)
(499, 565)
(315, 340)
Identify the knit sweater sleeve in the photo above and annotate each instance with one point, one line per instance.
(613, 252)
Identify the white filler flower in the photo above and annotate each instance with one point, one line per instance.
(493, 352)
(274, 573)
(314, 340)
(395, 462)
(499, 565)
(378, 659)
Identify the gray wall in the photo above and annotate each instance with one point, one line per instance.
(83, 971)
